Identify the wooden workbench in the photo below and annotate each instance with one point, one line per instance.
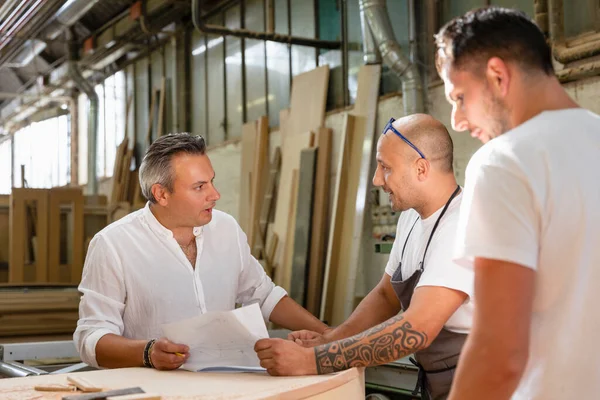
(346, 385)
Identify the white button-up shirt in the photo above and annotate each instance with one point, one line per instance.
(136, 277)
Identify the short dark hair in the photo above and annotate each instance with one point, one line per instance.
(156, 165)
(489, 32)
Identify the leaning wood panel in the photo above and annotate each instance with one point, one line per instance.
(118, 171)
(342, 200)
(352, 172)
(366, 106)
(302, 228)
(284, 215)
(283, 271)
(319, 222)
(266, 207)
(247, 164)
(308, 100)
(17, 220)
(74, 198)
(260, 173)
(4, 228)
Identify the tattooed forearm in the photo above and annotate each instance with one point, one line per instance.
(386, 342)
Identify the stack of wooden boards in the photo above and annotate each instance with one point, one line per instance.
(38, 310)
(278, 217)
(284, 207)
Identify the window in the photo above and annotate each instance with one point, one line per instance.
(44, 149)
(115, 104)
(112, 104)
(5, 169)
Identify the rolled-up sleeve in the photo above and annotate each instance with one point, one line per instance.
(101, 307)
(254, 285)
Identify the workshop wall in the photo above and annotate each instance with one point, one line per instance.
(226, 160)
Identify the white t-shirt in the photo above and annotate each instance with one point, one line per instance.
(439, 269)
(532, 197)
(136, 278)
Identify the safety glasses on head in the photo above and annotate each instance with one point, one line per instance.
(389, 127)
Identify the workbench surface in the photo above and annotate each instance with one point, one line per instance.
(180, 384)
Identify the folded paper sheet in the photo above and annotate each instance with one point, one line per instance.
(221, 341)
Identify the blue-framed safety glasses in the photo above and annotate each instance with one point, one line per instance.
(389, 127)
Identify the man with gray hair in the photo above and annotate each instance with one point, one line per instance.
(174, 259)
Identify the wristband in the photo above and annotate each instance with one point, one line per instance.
(147, 350)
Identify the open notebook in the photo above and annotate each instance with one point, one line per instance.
(221, 341)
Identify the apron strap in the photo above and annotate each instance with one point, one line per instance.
(422, 376)
(437, 222)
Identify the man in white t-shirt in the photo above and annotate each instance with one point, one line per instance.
(414, 166)
(529, 222)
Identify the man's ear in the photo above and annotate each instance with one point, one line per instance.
(423, 168)
(498, 75)
(161, 194)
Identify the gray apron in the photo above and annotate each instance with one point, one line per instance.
(437, 362)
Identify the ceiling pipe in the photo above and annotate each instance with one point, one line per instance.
(86, 87)
(379, 25)
(244, 33)
(19, 24)
(66, 16)
(7, 6)
(9, 17)
(370, 53)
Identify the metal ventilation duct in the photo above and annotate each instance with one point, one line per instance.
(66, 16)
(29, 49)
(377, 29)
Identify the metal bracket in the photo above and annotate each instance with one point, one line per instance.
(37, 350)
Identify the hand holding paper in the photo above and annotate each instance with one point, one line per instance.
(221, 341)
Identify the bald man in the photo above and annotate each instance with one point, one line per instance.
(414, 166)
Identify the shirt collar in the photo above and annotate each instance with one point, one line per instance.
(159, 228)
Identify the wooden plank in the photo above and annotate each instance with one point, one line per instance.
(58, 197)
(151, 119)
(308, 100)
(304, 206)
(129, 131)
(284, 215)
(125, 176)
(4, 228)
(271, 243)
(260, 174)
(267, 205)
(351, 124)
(17, 222)
(161, 107)
(83, 384)
(247, 163)
(367, 97)
(118, 171)
(38, 323)
(283, 272)
(319, 222)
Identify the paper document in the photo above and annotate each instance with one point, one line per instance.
(221, 341)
